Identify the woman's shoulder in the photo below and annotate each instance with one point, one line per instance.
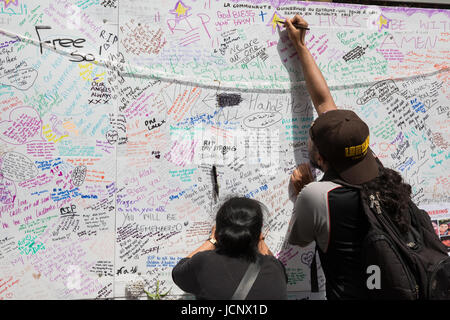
(205, 255)
(271, 260)
(212, 255)
(274, 267)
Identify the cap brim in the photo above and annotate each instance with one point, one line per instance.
(361, 172)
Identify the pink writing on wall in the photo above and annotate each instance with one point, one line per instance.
(24, 125)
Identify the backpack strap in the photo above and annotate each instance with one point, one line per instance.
(248, 280)
(314, 278)
(410, 237)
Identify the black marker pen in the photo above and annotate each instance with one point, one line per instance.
(216, 184)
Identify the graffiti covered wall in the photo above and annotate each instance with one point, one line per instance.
(112, 115)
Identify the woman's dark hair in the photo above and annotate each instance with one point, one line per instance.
(238, 227)
(394, 195)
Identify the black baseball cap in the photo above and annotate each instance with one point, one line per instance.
(342, 138)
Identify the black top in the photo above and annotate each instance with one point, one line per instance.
(213, 276)
(331, 215)
(342, 263)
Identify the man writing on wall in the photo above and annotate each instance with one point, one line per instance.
(329, 213)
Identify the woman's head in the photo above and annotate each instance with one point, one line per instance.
(238, 227)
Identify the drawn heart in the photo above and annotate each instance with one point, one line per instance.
(21, 79)
(17, 167)
(24, 125)
(112, 136)
(78, 175)
(307, 257)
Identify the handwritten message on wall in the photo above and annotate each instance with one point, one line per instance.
(111, 120)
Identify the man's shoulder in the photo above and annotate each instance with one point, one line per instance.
(316, 194)
(319, 188)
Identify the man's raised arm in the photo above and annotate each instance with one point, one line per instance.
(315, 82)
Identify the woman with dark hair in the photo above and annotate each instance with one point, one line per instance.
(214, 270)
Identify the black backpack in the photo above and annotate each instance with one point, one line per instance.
(412, 266)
